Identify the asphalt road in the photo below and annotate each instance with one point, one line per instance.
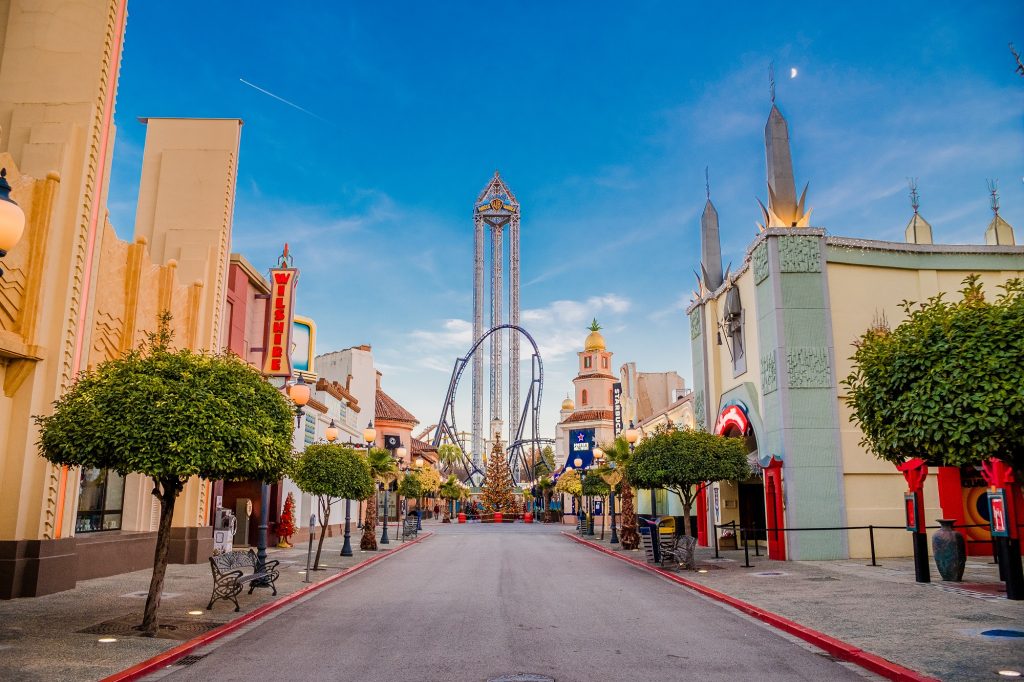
(478, 602)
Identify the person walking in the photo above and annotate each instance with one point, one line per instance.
(437, 510)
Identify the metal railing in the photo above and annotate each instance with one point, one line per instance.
(745, 533)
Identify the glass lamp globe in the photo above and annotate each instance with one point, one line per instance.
(400, 452)
(12, 218)
(299, 392)
(369, 433)
(419, 462)
(332, 432)
(631, 434)
(598, 454)
(578, 462)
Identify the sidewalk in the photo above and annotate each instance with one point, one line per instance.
(42, 638)
(934, 628)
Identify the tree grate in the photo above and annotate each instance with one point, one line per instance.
(190, 659)
(179, 629)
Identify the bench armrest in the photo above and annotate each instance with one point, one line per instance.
(225, 578)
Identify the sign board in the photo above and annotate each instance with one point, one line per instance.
(581, 444)
(997, 513)
(910, 508)
(277, 344)
(303, 346)
(391, 442)
(717, 496)
(617, 406)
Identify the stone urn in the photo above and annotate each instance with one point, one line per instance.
(950, 551)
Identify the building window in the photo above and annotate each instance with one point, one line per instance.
(584, 397)
(100, 500)
(604, 363)
(586, 362)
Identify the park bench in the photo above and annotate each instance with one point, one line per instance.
(229, 578)
(679, 550)
(409, 527)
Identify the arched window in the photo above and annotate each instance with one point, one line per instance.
(584, 397)
(604, 363)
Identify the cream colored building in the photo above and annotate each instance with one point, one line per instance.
(73, 294)
(771, 343)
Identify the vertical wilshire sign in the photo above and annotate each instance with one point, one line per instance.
(277, 347)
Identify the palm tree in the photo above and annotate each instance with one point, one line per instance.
(383, 469)
(620, 453)
(448, 456)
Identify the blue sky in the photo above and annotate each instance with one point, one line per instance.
(601, 117)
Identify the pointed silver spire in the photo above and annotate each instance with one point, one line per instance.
(999, 232)
(710, 244)
(784, 210)
(918, 230)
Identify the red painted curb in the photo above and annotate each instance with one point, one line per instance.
(833, 646)
(168, 657)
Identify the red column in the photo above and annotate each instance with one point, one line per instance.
(775, 513)
(702, 515)
(915, 471)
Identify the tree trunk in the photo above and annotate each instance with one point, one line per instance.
(686, 518)
(368, 543)
(166, 491)
(629, 536)
(325, 517)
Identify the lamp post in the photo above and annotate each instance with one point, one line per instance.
(419, 510)
(12, 218)
(599, 458)
(369, 435)
(299, 393)
(632, 436)
(581, 516)
(399, 454)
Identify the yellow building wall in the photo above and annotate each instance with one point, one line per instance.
(860, 294)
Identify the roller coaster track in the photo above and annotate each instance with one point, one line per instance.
(517, 449)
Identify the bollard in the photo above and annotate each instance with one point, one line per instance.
(757, 545)
(309, 552)
(746, 551)
(714, 532)
(871, 538)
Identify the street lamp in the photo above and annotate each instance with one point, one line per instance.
(299, 393)
(632, 436)
(332, 432)
(369, 435)
(581, 516)
(12, 218)
(599, 458)
(419, 512)
(399, 454)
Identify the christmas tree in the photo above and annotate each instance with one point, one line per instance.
(498, 490)
(286, 524)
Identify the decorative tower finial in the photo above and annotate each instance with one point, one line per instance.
(594, 326)
(285, 260)
(710, 243)
(999, 232)
(771, 80)
(784, 209)
(918, 230)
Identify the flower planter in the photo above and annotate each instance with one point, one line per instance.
(950, 551)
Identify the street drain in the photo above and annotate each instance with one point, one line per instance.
(1002, 632)
(190, 659)
(822, 579)
(522, 677)
(768, 574)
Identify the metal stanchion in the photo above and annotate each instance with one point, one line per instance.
(757, 544)
(871, 538)
(309, 552)
(746, 550)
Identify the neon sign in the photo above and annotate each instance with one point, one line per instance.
(733, 416)
(279, 322)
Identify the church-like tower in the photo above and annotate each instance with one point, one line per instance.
(495, 209)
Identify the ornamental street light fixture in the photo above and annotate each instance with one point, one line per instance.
(12, 218)
(599, 458)
(369, 435)
(332, 432)
(632, 436)
(581, 516)
(299, 394)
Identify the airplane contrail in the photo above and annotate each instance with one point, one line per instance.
(282, 99)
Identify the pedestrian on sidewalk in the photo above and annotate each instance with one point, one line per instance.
(437, 510)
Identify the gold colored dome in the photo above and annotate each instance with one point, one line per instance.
(594, 339)
(568, 404)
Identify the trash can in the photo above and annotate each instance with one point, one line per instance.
(497, 517)
(462, 517)
(528, 517)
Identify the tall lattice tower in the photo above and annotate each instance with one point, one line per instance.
(496, 208)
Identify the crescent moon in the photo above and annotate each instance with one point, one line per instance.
(792, 73)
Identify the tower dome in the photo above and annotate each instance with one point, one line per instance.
(568, 404)
(594, 339)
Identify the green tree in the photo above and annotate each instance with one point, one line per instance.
(569, 484)
(450, 491)
(947, 384)
(411, 485)
(331, 472)
(170, 415)
(449, 455)
(383, 470)
(620, 453)
(683, 461)
(545, 466)
(594, 485)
